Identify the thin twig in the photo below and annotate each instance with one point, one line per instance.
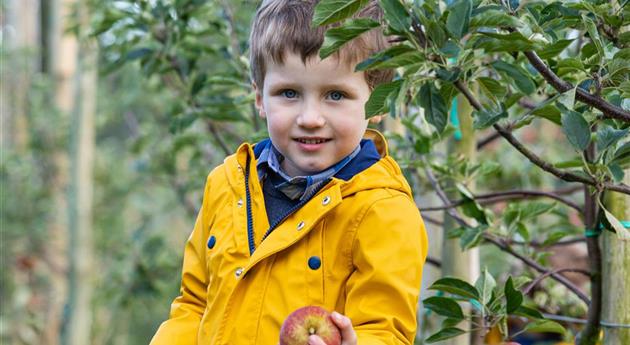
(546, 166)
(217, 137)
(433, 261)
(541, 277)
(432, 220)
(500, 243)
(609, 110)
(537, 244)
(492, 198)
(180, 190)
(582, 321)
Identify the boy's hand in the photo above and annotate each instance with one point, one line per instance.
(348, 336)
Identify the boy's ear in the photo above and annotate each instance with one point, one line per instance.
(259, 101)
(376, 119)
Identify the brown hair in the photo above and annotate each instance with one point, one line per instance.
(282, 26)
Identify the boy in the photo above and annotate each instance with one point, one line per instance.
(315, 215)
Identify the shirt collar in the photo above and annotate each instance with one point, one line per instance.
(298, 187)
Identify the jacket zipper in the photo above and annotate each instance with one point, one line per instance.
(250, 220)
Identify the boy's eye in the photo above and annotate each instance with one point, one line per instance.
(289, 93)
(336, 95)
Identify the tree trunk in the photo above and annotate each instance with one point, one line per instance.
(21, 42)
(59, 61)
(615, 272)
(455, 262)
(79, 305)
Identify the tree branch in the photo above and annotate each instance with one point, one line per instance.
(433, 261)
(492, 198)
(432, 220)
(540, 278)
(563, 175)
(609, 110)
(217, 137)
(498, 242)
(537, 244)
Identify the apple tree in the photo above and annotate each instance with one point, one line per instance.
(519, 66)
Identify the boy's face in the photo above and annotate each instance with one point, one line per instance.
(315, 112)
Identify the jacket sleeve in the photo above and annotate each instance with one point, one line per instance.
(187, 309)
(388, 255)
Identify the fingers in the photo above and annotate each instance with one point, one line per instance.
(315, 340)
(348, 335)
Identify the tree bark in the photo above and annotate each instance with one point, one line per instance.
(455, 262)
(79, 305)
(59, 63)
(615, 271)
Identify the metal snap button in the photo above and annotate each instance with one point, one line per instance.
(326, 200)
(300, 225)
(239, 203)
(238, 272)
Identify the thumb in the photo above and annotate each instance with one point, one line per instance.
(345, 326)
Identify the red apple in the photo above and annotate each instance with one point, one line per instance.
(303, 322)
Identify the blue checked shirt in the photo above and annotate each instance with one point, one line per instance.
(298, 187)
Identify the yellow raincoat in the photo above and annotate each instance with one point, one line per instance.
(356, 247)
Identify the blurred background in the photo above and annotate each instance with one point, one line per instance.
(113, 113)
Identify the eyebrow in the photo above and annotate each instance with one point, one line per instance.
(331, 86)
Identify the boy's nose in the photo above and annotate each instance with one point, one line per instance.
(311, 116)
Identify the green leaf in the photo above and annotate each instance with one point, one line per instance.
(456, 287)
(608, 136)
(377, 104)
(486, 117)
(337, 37)
(576, 129)
(494, 19)
(617, 172)
(485, 284)
(513, 297)
(445, 333)
(387, 57)
(544, 326)
(553, 49)
(548, 112)
(594, 35)
(512, 42)
(471, 237)
(396, 15)
(568, 98)
(138, 53)
(444, 306)
(492, 88)
(622, 155)
(450, 322)
(459, 18)
(330, 11)
(198, 83)
(622, 233)
(436, 32)
(528, 312)
(434, 108)
(535, 209)
(624, 38)
(521, 78)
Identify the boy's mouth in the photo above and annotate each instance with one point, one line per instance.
(311, 141)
